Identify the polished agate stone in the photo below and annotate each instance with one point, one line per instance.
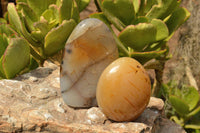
(88, 51)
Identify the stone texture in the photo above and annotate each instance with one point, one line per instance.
(184, 66)
(32, 103)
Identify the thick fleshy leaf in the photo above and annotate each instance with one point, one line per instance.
(43, 26)
(14, 18)
(2, 75)
(149, 4)
(136, 4)
(122, 9)
(18, 1)
(143, 57)
(194, 119)
(19, 24)
(28, 12)
(3, 21)
(75, 12)
(39, 6)
(163, 9)
(37, 34)
(139, 36)
(155, 46)
(3, 44)
(56, 38)
(82, 4)
(177, 18)
(65, 10)
(177, 120)
(51, 15)
(162, 30)
(15, 58)
(141, 19)
(114, 20)
(30, 16)
(179, 105)
(195, 112)
(190, 95)
(165, 90)
(33, 64)
(193, 126)
(6, 29)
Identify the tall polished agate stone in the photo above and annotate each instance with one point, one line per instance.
(88, 51)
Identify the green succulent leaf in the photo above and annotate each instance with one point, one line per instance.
(33, 64)
(136, 4)
(179, 105)
(43, 26)
(177, 18)
(3, 44)
(19, 25)
(162, 30)
(149, 4)
(38, 35)
(15, 58)
(114, 20)
(39, 6)
(56, 38)
(14, 18)
(18, 1)
(75, 13)
(82, 4)
(137, 37)
(65, 11)
(177, 120)
(121, 9)
(190, 95)
(177, 92)
(3, 21)
(141, 19)
(195, 113)
(143, 57)
(163, 9)
(51, 15)
(194, 118)
(28, 12)
(192, 126)
(7, 30)
(165, 90)
(156, 46)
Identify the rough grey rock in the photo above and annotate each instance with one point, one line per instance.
(32, 103)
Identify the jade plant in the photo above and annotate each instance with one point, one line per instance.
(182, 105)
(45, 24)
(144, 28)
(15, 55)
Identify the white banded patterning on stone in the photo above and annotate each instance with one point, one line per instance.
(88, 51)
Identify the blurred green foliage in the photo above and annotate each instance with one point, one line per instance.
(182, 105)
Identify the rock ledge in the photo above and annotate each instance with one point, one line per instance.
(32, 103)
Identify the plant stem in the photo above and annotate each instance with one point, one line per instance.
(120, 45)
(36, 55)
(158, 66)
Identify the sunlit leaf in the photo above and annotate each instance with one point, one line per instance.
(179, 105)
(15, 58)
(56, 38)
